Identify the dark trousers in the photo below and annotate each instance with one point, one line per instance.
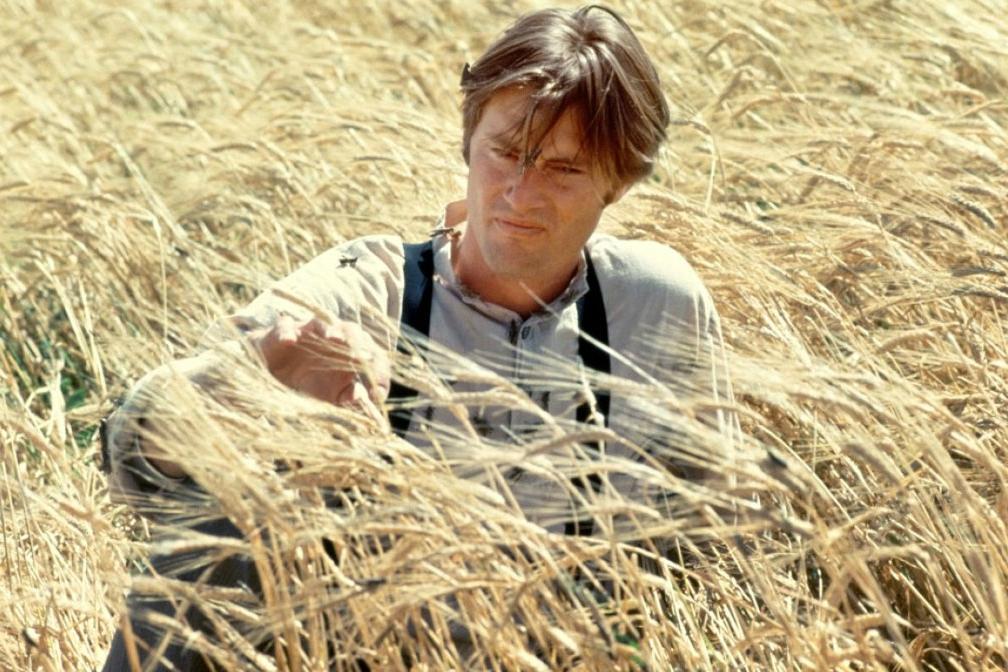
(231, 572)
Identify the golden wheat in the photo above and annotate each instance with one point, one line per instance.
(837, 174)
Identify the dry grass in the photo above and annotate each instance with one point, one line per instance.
(837, 174)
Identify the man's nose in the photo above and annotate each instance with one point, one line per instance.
(524, 189)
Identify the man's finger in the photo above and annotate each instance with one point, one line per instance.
(270, 340)
(286, 329)
(356, 395)
(327, 343)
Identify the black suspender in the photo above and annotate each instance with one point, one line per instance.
(418, 273)
(592, 322)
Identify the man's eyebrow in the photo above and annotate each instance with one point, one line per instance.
(511, 139)
(507, 138)
(577, 160)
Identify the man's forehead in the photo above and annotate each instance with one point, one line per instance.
(506, 116)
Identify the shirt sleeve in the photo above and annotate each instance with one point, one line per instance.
(690, 362)
(133, 479)
(359, 281)
(712, 367)
(675, 402)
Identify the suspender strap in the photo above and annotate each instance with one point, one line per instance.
(592, 321)
(418, 274)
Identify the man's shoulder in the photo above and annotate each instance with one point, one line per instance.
(634, 266)
(373, 257)
(384, 245)
(649, 288)
(347, 274)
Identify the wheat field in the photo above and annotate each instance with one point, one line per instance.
(837, 172)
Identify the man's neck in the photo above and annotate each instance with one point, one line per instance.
(523, 296)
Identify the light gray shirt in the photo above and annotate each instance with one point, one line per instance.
(663, 334)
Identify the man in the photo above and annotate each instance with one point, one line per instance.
(561, 116)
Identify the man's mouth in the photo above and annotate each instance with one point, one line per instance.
(518, 227)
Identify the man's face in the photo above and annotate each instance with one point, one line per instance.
(531, 225)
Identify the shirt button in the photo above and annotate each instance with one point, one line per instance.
(526, 332)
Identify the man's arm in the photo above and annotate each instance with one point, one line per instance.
(307, 333)
(329, 360)
(681, 421)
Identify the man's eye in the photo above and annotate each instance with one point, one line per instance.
(505, 153)
(567, 170)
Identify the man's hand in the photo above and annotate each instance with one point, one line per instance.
(337, 361)
(333, 361)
